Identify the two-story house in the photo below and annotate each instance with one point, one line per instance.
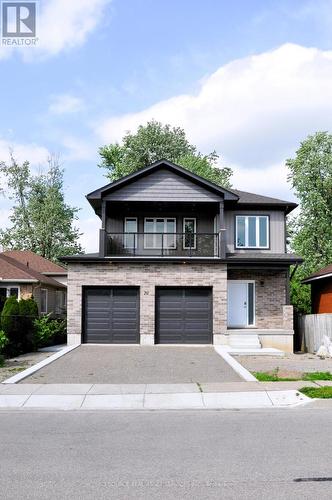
(182, 260)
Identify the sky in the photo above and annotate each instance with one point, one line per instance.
(247, 78)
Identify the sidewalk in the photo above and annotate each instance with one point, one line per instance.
(229, 395)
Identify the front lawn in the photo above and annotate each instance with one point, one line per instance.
(317, 392)
(274, 377)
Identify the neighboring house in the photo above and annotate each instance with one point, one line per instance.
(182, 260)
(321, 290)
(26, 274)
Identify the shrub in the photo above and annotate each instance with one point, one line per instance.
(10, 325)
(3, 343)
(47, 330)
(28, 312)
(2, 302)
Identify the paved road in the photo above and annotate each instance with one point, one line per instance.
(166, 455)
(107, 364)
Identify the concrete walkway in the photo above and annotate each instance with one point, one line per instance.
(147, 396)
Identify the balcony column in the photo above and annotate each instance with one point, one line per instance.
(222, 242)
(102, 232)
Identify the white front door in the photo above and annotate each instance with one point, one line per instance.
(237, 304)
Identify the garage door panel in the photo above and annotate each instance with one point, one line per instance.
(184, 315)
(112, 315)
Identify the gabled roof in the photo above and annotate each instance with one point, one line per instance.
(326, 272)
(34, 261)
(227, 194)
(11, 269)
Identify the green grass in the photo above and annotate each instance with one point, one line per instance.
(317, 392)
(274, 377)
(317, 376)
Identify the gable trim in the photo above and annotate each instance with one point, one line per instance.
(210, 186)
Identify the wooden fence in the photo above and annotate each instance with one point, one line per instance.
(312, 328)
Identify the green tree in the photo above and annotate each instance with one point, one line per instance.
(310, 174)
(155, 141)
(41, 220)
(11, 326)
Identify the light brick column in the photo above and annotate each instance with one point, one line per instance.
(287, 314)
(147, 320)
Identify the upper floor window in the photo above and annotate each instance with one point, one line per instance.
(159, 233)
(130, 229)
(252, 231)
(189, 229)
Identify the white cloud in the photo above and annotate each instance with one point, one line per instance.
(61, 26)
(79, 149)
(65, 24)
(35, 154)
(254, 111)
(65, 104)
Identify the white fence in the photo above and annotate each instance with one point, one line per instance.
(313, 327)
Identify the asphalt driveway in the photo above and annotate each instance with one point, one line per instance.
(136, 365)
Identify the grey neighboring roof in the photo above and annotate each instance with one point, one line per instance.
(325, 272)
(259, 257)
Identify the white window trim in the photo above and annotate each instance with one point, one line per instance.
(156, 247)
(46, 300)
(8, 290)
(184, 233)
(132, 232)
(253, 325)
(246, 231)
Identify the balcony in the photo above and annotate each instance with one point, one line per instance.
(162, 244)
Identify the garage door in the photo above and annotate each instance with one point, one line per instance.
(111, 315)
(184, 316)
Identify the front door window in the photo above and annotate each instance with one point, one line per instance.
(241, 304)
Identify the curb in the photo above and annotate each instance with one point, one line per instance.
(32, 369)
(175, 401)
(237, 367)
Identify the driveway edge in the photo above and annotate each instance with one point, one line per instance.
(32, 369)
(237, 367)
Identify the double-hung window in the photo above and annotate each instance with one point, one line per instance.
(130, 229)
(252, 231)
(189, 229)
(159, 233)
(43, 300)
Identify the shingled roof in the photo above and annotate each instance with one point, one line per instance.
(12, 269)
(326, 272)
(34, 261)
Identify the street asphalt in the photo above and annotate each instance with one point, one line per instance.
(280, 454)
(110, 364)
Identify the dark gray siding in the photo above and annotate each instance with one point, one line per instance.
(163, 185)
(204, 218)
(277, 229)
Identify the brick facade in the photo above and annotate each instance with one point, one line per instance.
(270, 295)
(147, 277)
(272, 314)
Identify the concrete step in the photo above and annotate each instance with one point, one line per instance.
(244, 341)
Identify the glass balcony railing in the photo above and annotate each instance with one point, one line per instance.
(163, 244)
